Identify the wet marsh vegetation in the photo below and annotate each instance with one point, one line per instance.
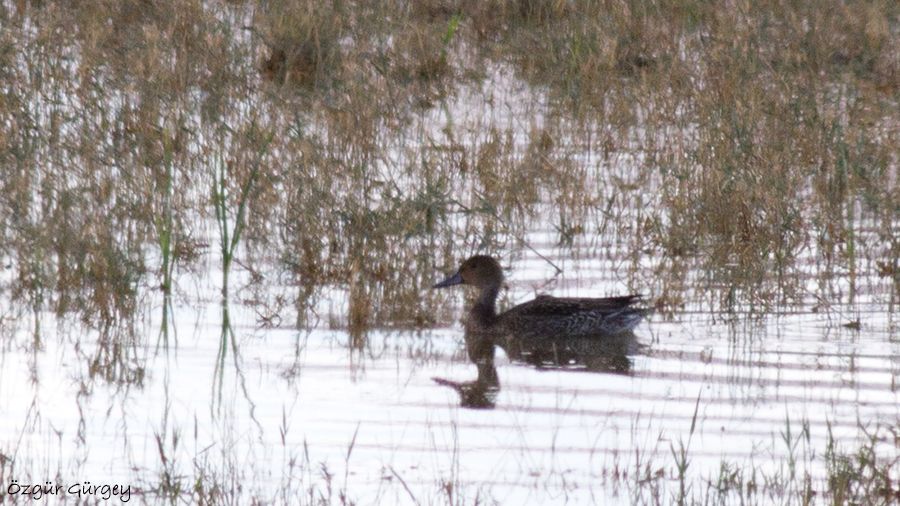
(221, 221)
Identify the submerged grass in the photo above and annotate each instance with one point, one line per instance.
(859, 473)
(760, 136)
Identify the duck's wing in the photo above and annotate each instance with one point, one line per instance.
(546, 306)
(553, 317)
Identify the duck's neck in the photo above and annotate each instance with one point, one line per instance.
(485, 308)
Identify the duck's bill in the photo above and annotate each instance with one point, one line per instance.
(455, 279)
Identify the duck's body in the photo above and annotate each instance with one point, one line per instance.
(539, 322)
(548, 316)
(593, 334)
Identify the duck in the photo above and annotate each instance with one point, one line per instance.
(544, 326)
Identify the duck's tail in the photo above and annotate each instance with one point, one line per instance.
(634, 309)
(628, 319)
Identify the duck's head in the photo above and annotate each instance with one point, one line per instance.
(480, 271)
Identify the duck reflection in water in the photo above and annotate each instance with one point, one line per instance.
(547, 332)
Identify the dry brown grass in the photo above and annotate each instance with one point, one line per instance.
(759, 132)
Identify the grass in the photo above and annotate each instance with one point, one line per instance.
(859, 474)
(682, 462)
(245, 178)
(763, 134)
(740, 159)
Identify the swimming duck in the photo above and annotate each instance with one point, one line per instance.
(591, 334)
(542, 320)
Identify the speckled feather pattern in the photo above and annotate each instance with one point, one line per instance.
(549, 317)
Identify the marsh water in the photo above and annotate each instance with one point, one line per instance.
(281, 414)
(221, 222)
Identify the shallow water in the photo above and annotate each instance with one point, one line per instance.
(722, 405)
(287, 414)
